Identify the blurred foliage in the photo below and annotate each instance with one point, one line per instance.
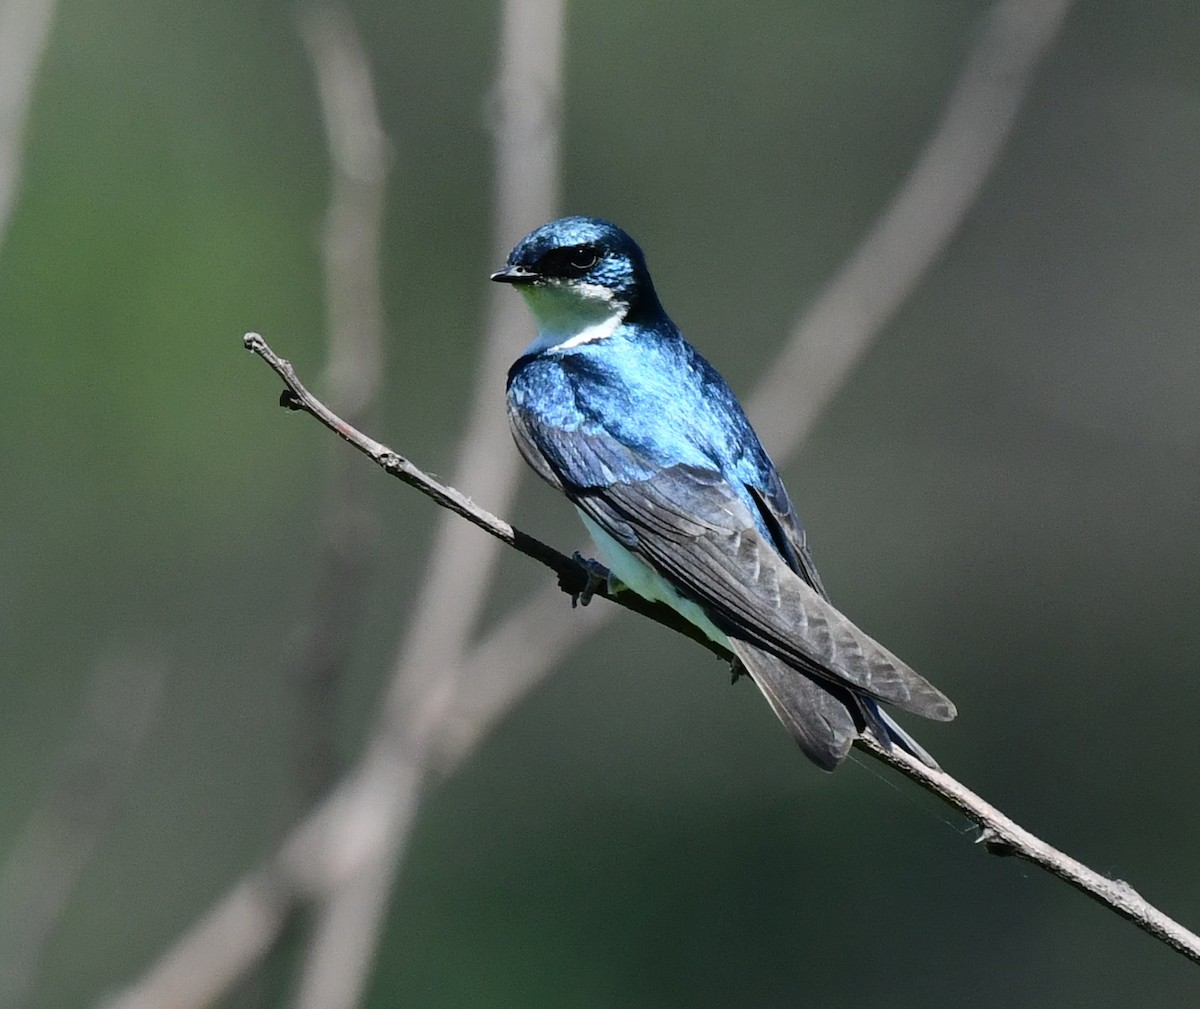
(1006, 493)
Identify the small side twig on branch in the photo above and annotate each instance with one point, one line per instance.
(1001, 834)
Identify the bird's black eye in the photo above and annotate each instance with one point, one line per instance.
(584, 258)
(569, 261)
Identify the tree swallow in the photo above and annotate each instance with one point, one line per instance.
(613, 407)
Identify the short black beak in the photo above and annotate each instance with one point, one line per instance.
(514, 275)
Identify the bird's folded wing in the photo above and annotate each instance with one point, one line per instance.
(779, 516)
(691, 526)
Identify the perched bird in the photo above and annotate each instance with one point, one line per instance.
(613, 407)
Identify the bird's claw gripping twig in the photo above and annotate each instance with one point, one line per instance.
(597, 578)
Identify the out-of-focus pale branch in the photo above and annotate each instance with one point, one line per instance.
(524, 115)
(49, 855)
(527, 109)
(229, 939)
(359, 159)
(907, 238)
(359, 156)
(24, 29)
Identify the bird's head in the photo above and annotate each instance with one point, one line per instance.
(580, 276)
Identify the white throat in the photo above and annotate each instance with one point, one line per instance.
(571, 315)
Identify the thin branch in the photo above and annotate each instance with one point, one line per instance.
(1002, 834)
(573, 576)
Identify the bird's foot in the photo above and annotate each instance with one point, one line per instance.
(736, 671)
(597, 576)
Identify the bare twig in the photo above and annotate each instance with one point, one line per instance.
(572, 575)
(1002, 834)
(50, 854)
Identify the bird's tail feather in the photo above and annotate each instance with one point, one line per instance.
(819, 722)
(903, 739)
(823, 719)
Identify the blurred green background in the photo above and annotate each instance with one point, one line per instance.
(1006, 493)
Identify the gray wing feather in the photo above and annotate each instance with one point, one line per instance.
(691, 526)
(779, 516)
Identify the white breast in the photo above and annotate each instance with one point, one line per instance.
(638, 576)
